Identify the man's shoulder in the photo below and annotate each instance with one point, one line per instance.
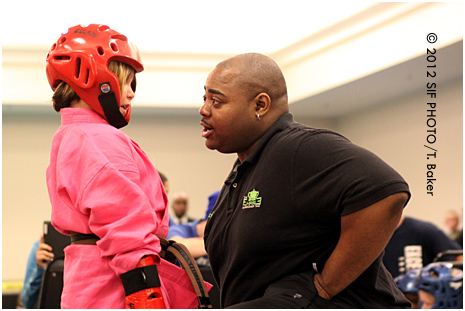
(419, 224)
(421, 227)
(296, 134)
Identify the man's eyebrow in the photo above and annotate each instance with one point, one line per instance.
(213, 91)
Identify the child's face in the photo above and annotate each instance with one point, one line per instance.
(426, 299)
(126, 97)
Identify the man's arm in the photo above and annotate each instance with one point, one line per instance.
(191, 236)
(364, 235)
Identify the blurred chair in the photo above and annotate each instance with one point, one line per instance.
(52, 285)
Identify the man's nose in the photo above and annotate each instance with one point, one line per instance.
(204, 110)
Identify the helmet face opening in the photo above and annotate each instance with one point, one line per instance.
(81, 57)
(445, 282)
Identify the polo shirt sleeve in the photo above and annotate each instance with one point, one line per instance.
(333, 175)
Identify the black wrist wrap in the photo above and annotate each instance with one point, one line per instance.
(140, 278)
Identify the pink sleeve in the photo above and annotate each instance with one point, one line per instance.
(122, 216)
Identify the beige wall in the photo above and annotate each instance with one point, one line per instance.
(396, 131)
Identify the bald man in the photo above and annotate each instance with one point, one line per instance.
(304, 216)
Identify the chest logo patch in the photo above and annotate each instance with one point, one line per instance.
(252, 200)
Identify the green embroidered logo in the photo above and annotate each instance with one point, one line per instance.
(252, 200)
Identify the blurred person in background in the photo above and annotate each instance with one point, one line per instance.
(415, 244)
(452, 222)
(39, 256)
(180, 206)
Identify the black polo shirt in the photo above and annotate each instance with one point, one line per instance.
(280, 211)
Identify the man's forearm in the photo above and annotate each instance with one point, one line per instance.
(364, 235)
(196, 246)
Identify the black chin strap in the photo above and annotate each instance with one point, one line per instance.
(110, 106)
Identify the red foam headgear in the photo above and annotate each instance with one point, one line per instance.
(81, 57)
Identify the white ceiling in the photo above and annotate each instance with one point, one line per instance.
(337, 56)
(201, 26)
(384, 86)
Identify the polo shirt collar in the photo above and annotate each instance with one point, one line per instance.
(283, 122)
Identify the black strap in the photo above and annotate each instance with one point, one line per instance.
(140, 278)
(110, 107)
(451, 253)
(81, 236)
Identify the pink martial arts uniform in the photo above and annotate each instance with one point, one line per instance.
(100, 181)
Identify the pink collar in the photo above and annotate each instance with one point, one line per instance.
(80, 115)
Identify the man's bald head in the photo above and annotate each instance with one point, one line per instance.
(244, 96)
(256, 73)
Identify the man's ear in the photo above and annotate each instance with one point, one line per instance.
(263, 103)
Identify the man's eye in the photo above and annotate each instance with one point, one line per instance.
(216, 102)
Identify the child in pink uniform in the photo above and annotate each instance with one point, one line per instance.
(101, 184)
